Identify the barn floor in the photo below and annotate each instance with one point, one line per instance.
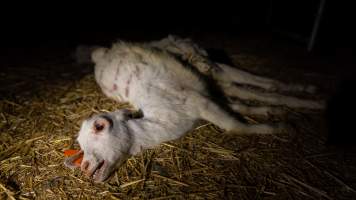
(44, 97)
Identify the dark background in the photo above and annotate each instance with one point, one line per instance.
(276, 27)
(69, 25)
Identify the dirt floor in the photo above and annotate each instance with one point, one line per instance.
(45, 96)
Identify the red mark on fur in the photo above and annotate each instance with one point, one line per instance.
(114, 87)
(129, 80)
(127, 91)
(117, 72)
(137, 72)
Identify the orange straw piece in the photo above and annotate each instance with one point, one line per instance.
(71, 152)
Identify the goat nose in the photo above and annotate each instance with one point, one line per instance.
(85, 166)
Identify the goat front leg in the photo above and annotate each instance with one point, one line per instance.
(148, 132)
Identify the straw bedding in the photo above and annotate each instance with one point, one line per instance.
(41, 109)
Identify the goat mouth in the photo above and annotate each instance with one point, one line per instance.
(97, 173)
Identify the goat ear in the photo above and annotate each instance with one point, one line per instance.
(98, 54)
(131, 114)
(136, 114)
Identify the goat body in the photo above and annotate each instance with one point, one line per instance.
(165, 80)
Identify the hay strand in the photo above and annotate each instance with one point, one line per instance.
(8, 192)
(131, 183)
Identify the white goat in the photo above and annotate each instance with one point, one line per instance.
(166, 81)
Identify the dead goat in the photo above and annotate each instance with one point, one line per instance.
(167, 81)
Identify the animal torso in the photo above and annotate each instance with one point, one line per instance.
(153, 82)
(142, 76)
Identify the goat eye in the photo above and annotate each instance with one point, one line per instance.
(98, 127)
(103, 122)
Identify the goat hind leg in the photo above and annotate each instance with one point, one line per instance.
(234, 75)
(271, 98)
(212, 112)
(256, 110)
(252, 129)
